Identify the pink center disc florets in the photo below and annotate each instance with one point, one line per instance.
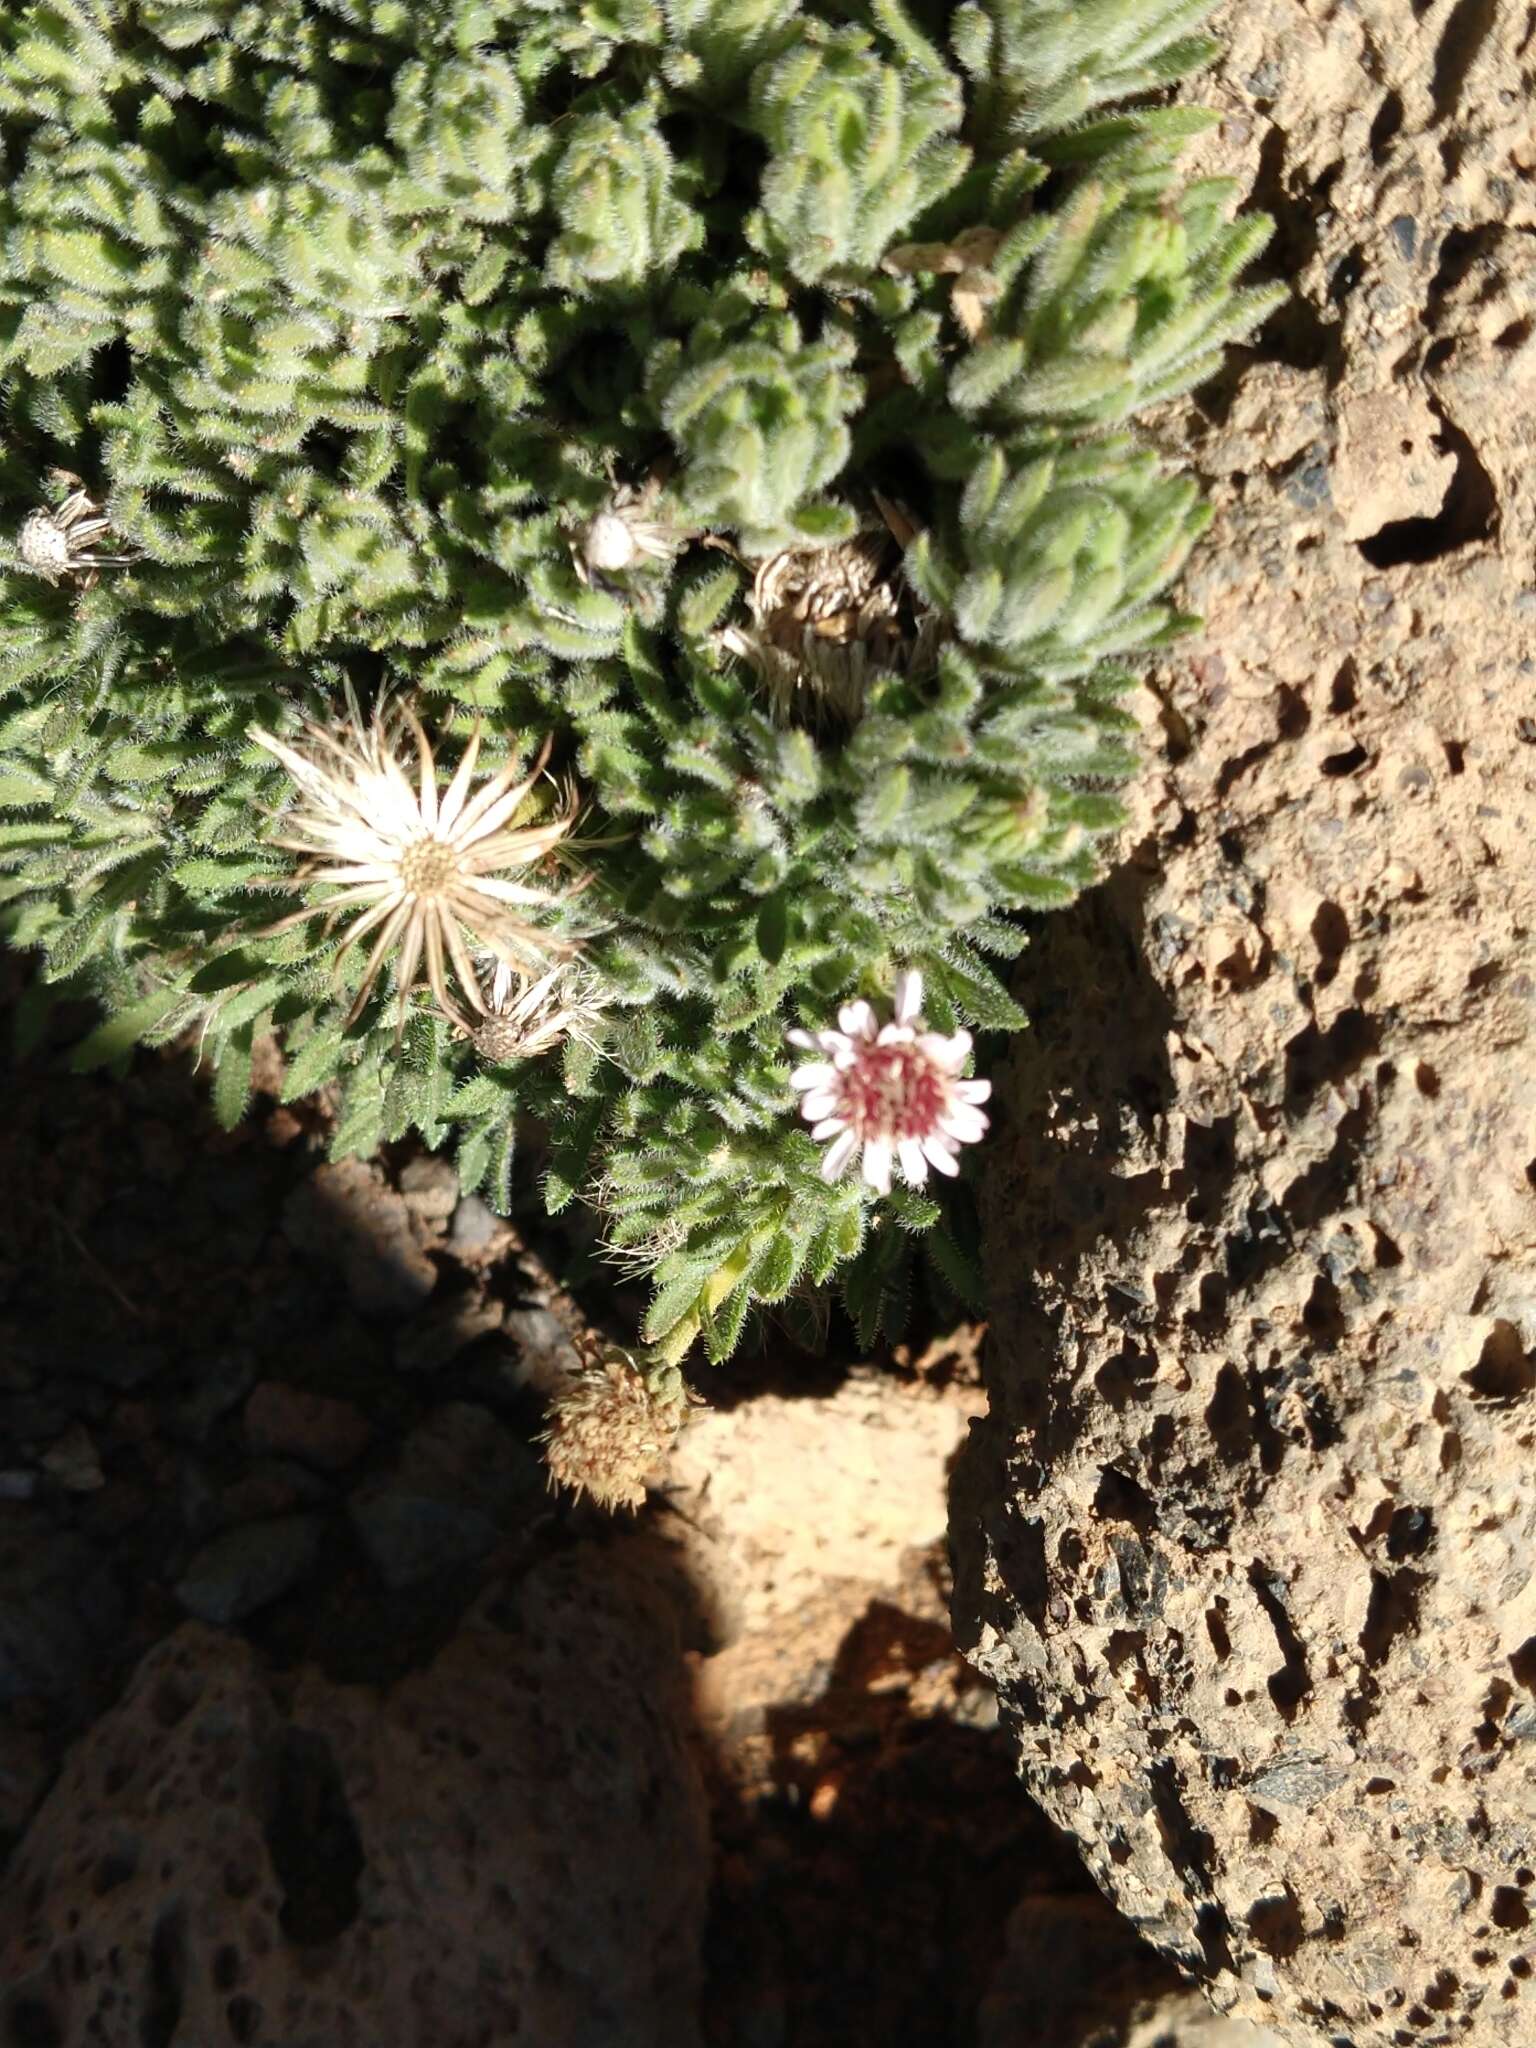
(893, 1091)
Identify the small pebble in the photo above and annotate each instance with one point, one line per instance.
(73, 1461)
(473, 1227)
(430, 1187)
(411, 1538)
(247, 1568)
(285, 1421)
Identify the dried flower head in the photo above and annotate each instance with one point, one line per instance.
(826, 620)
(421, 871)
(892, 1090)
(610, 1425)
(58, 541)
(524, 1019)
(968, 260)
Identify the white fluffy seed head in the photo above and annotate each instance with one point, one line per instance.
(43, 545)
(610, 546)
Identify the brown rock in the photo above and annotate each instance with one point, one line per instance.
(776, 1499)
(508, 1847)
(1247, 1542)
(288, 1422)
(1075, 1976)
(430, 1187)
(347, 1214)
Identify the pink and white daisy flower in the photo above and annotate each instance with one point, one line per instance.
(893, 1089)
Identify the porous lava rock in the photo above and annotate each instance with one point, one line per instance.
(508, 1846)
(1075, 1976)
(1247, 1542)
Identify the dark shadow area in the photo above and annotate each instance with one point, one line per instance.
(300, 1403)
(864, 1897)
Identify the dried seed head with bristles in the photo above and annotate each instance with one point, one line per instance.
(58, 541)
(827, 620)
(525, 1019)
(611, 1424)
(425, 873)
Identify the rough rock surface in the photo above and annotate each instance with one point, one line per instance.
(1247, 1543)
(507, 1846)
(1076, 1974)
(780, 1501)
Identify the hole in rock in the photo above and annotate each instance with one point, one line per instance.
(166, 1991)
(1288, 1686)
(115, 1868)
(31, 2024)
(1330, 935)
(1467, 27)
(1468, 513)
(244, 2016)
(1216, 1627)
(1293, 715)
(1227, 1416)
(1211, 1313)
(1386, 125)
(1124, 1377)
(1262, 1827)
(1121, 1499)
(171, 1703)
(1392, 1611)
(1388, 1251)
(1275, 1925)
(1343, 694)
(1508, 1910)
(1323, 1316)
(1505, 1372)
(312, 1839)
(1461, 249)
(1410, 1533)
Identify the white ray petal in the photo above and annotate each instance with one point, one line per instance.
(914, 1167)
(410, 960)
(819, 1103)
(503, 892)
(876, 1166)
(463, 966)
(837, 1155)
(458, 788)
(949, 1052)
(497, 790)
(388, 933)
(963, 1124)
(816, 1074)
(938, 1154)
(427, 798)
(909, 996)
